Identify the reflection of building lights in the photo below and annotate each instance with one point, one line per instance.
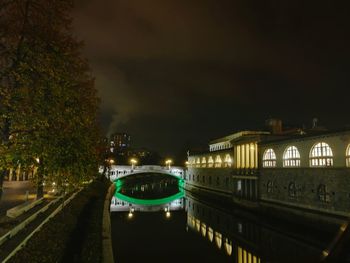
(167, 214)
(130, 215)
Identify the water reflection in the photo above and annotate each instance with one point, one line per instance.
(189, 225)
(247, 238)
(149, 186)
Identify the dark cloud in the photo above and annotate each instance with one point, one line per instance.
(175, 71)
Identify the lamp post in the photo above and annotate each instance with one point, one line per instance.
(110, 162)
(168, 163)
(133, 162)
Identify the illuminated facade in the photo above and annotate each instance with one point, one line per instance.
(308, 170)
(230, 166)
(311, 172)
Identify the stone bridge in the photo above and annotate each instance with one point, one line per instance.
(120, 171)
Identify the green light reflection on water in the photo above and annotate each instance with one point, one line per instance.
(118, 185)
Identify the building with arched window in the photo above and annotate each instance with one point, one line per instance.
(320, 178)
(278, 170)
(291, 157)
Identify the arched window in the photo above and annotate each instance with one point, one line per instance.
(321, 155)
(291, 157)
(228, 247)
(228, 160)
(218, 161)
(210, 234)
(204, 229)
(218, 239)
(210, 161)
(348, 156)
(269, 158)
(198, 162)
(204, 162)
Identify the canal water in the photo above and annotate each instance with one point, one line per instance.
(155, 220)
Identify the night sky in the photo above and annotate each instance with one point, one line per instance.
(175, 73)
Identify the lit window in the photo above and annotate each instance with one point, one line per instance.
(291, 157)
(198, 162)
(210, 161)
(321, 155)
(210, 234)
(228, 160)
(204, 162)
(269, 158)
(228, 247)
(218, 239)
(204, 229)
(218, 161)
(348, 156)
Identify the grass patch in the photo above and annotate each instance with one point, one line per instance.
(74, 234)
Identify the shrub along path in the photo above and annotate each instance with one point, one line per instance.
(74, 234)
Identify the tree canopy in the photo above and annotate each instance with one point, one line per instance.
(48, 100)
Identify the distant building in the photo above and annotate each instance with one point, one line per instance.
(120, 142)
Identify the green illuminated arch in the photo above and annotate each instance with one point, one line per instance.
(160, 201)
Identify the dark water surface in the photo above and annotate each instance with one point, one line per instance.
(190, 229)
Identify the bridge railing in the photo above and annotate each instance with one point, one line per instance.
(118, 171)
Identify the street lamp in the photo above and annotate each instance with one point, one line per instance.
(133, 162)
(168, 163)
(110, 162)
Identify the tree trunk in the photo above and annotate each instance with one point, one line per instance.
(40, 181)
(2, 176)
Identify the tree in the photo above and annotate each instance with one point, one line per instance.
(49, 102)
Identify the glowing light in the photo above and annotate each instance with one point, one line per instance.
(130, 215)
(210, 234)
(167, 214)
(168, 162)
(228, 247)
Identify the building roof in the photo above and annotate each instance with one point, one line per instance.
(307, 135)
(237, 136)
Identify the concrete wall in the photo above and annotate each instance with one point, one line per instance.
(214, 178)
(323, 189)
